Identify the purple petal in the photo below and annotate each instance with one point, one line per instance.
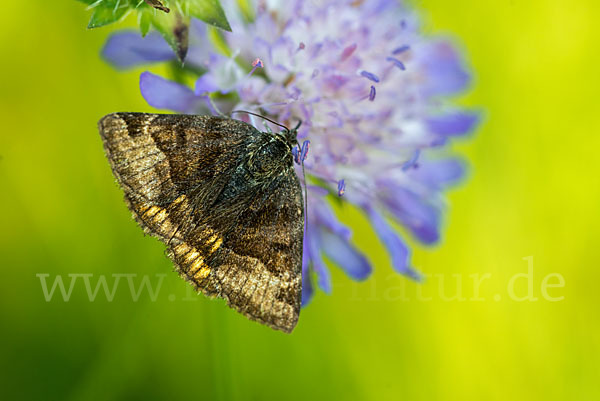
(457, 123)
(421, 218)
(378, 7)
(396, 248)
(314, 249)
(325, 217)
(200, 46)
(444, 72)
(335, 82)
(343, 254)
(165, 94)
(307, 285)
(437, 174)
(206, 83)
(129, 49)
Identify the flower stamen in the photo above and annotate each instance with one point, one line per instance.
(412, 163)
(304, 152)
(347, 52)
(401, 49)
(369, 75)
(257, 63)
(301, 154)
(372, 93)
(341, 187)
(397, 63)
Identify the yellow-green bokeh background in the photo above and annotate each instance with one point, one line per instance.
(533, 190)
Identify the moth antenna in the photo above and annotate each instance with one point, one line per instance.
(258, 115)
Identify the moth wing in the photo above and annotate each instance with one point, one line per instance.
(162, 160)
(172, 169)
(256, 265)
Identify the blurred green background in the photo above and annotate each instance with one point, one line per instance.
(533, 191)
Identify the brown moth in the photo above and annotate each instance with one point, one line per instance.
(224, 198)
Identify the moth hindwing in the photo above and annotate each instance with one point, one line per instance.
(224, 198)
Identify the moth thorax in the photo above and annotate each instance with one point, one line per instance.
(271, 157)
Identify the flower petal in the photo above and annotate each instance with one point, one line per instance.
(165, 94)
(340, 251)
(438, 174)
(200, 47)
(457, 123)
(325, 217)
(314, 250)
(226, 72)
(444, 72)
(415, 213)
(307, 286)
(206, 83)
(128, 49)
(398, 250)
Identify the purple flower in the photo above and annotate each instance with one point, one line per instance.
(370, 89)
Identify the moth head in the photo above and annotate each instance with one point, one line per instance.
(291, 135)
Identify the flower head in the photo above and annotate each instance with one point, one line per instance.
(369, 89)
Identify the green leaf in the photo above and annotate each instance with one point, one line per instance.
(174, 27)
(209, 11)
(169, 17)
(107, 15)
(144, 21)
